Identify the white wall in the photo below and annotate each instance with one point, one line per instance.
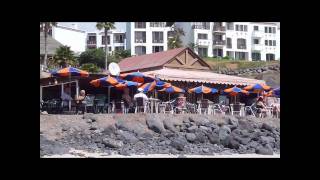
(74, 38)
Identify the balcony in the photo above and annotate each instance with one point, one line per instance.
(219, 42)
(257, 47)
(91, 42)
(203, 42)
(157, 41)
(242, 47)
(140, 40)
(257, 34)
(221, 29)
(200, 27)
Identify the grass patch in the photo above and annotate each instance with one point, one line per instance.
(217, 64)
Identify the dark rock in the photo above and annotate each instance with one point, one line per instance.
(192, 129)
(232, 121)
(232, 127)
(49, 147)
(266, 139)
(233, 144)
(213, 138)
(178, 144)
(266, 127)
(244, 124)
(168, 124)
(201, 137)
(191, 137)
(243, 141)
(109, 130)
(93, 128)
(108, 142)
(147, 135)
(236, 131)
(224, 132)
(155, 124)
(136, 127)
(206, 150)
(205, 128)
(128, 137)
(266, 150)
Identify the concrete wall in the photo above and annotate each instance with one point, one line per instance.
(76, 39)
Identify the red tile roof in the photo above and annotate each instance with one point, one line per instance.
(148, 60)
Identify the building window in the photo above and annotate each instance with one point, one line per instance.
(240, 55)
(241, 43)
(140, 36)
(140, 50)
(218, 52)
(157, 24)
(203, 52)
(230, 26)
(237, 27)
(256, 56)
(230, 54)
(255, 41)
(241, 27)
(270, 42)
(273, 30)
(92, 40)
(103, 41)
(118, 38)
(266, 42)
(157, 49)
(157, 37)
(274, 42)
(270, 29)
(266, 29)
(270, 57)
(202, 36)
(256, 28)
(245, 28)
(201, 25)
(119, 48)
(140, 24)
(229, 43)
(109, 49)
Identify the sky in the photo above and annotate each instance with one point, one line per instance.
(91, 26)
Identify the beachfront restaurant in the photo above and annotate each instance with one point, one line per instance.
(180, 67)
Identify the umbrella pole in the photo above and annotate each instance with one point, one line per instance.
(169, 96)
(109, 96)
(201, 96)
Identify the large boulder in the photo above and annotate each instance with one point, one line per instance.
(178, 144)
(131, 126)
(192, 129)
(243, 140)
(111, 143)
(155, 124)
(109, 130)
(266, 127)
(266, 139)
(213, 138)
(244, 124)
(191, 137)
(201, 137)
(264, 150)
(128, 137)
(224, 132)
(169, 125)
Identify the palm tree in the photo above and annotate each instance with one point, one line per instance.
(106, 26)
(64, 56)
(175, 41)
(45, 27)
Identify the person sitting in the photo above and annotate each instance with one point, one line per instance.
(80, 101)
(261, 107)
(65, 97)
(140, 94)
(127, 99)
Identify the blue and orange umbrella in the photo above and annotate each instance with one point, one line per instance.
(123, 84)
(172, 89)
(147, 87)
(137, 77)
(234, 91)
(105, 81)
(70, 71)
(257, 88)
(202, 90)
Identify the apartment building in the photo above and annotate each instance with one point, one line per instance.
(237, 40)
(116, 40)
(69, 36)
(147, 37)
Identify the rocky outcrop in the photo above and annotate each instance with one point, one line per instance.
(160, 133)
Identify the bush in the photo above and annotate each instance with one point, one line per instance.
(92, 68)
(94, 56)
